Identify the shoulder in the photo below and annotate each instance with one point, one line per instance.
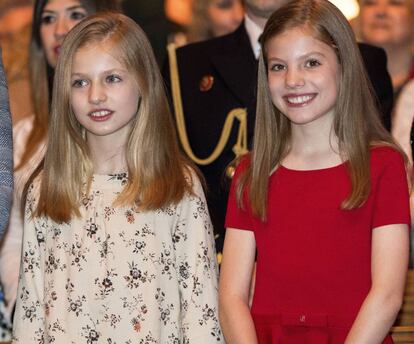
(22, 129)
(242, 166)
(21, 132)
(408, 91)
(382, 156)
(210, 45)
(194, 181)
(374, 58)
(368, 50)
(33, 192)
(202, 52)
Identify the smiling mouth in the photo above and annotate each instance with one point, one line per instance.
(100, 115)
(299, 100)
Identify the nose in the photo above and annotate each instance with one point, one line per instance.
(294, 78)
(97, 94)
(381, 10)
(62, 27)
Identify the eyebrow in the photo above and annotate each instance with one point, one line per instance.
(75, 7)
(304, 56)
(107, 72)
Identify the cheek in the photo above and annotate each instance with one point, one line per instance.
(404, 27)
(366, 17)
(217, 17)
(131, 99)
(46, 36)
(275, 88)
(71, 24)
(77, 103)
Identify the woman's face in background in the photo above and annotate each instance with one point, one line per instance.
(58, 18)
(387, 22)
(225, 16)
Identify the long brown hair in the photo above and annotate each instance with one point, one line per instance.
(41, 74)
(158, 173)
(356, 124)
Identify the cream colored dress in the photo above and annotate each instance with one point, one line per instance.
(118, 275)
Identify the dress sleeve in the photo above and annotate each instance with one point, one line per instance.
(197, 270)
(6, 149)
(29, 318)
(392, 197)
(236, 217)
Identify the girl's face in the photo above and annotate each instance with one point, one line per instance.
(225, 16)
(58, 17)
(387, 22)
(303, 74)
(104, 94)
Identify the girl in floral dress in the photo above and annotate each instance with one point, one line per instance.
(322, 202)
(118, 246)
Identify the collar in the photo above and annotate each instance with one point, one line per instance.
(253, 31)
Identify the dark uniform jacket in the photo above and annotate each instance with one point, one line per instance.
(230, 65)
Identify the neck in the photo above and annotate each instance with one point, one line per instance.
(400, 62)
(313, 146)
(260, 21)
(107, 157)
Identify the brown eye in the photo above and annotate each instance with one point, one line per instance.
(312, 63)
(276, 67)
(47, 19)
(77, 15)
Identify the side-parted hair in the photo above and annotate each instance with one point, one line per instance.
(357, 121)
(41, 74)
(158, 174)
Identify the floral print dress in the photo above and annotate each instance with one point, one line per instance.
(119, 275)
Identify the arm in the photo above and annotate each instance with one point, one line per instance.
(389, 267)
(402, 124)
(235, 279)
(402, 119)
(11, 247)
(29, 318)
(6, 151)
(10, 254)
(197, 270)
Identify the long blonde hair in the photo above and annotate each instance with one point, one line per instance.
(157, 171)
(41, 74)
(357, 121)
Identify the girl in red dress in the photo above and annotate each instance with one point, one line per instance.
(322, 200)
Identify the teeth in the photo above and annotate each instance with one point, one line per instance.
(299, 99)
(100, 113)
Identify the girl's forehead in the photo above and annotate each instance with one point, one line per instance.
(96, 53)
(65, 3)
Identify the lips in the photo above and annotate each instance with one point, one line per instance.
(299, 100)
(100, 115)
(56, 49)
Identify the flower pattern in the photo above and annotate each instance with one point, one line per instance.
(118, 275)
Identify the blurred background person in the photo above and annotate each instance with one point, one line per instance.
(52, 20)
(179, 13)
(15, 21)
(389, 24)
(163, 21)
(213, 18)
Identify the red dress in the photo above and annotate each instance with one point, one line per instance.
(314, 259)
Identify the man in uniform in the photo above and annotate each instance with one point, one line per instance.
(220, 75)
